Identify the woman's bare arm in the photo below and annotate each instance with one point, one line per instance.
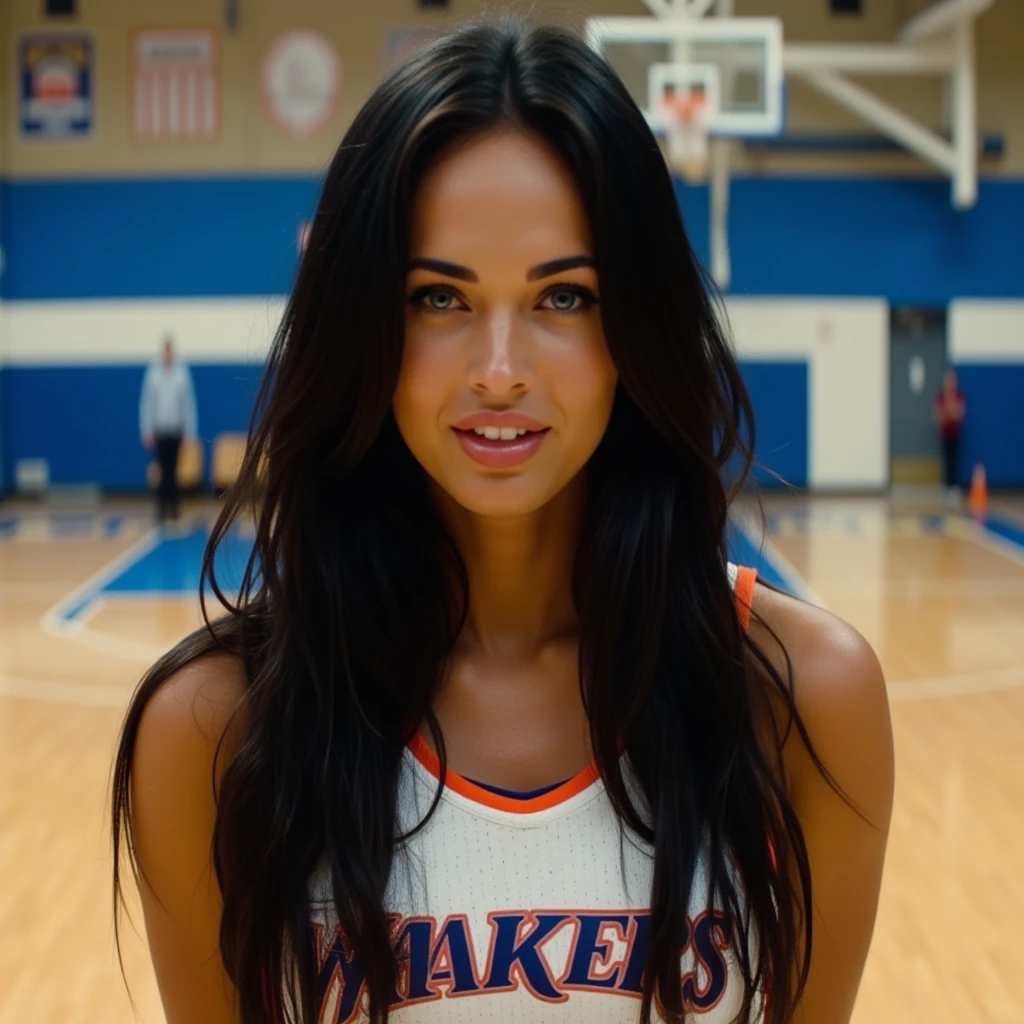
(173, 815)
(841, 696)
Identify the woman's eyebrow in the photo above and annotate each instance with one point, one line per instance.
(559, 265)
(462, 273)
(455, 270)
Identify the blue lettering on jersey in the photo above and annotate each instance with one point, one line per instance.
(633, 977)
(595, 941)
(338, 974)
(515, 945)
(607, 954)
(710, 939)
(451, 959)
(413, 947)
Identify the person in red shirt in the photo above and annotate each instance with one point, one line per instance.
(950, 409)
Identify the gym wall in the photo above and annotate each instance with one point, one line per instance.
(109, 242)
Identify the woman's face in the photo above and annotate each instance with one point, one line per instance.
(506, 384)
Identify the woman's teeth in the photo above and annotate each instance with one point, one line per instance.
(499, 433)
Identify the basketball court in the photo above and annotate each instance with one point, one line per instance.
(851, 176)
(89, 598)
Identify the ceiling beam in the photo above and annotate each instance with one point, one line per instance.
(918, 138)
(942, 17)
(868, 58)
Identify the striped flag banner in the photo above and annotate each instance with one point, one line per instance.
(176, 87)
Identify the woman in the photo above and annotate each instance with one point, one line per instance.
(490, 550)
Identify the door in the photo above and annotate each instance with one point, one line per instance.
(917, 363)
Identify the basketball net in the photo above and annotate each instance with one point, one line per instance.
(687, 132)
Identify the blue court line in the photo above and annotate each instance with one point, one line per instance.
(1006, 530)
(170, 567)
(173, 565)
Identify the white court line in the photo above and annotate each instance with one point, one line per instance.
(52, 621)
(964, 529)
(64, 693)
(141, 596)
(109, 643)
(922, 589)
(972, 683)
(130, 650)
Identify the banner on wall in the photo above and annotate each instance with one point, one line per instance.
(56, 83)
(176, 86)
(301, 79)
(404, 42)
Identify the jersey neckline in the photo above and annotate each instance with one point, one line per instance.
(742, 581)
(469, 790)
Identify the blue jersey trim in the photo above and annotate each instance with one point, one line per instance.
(511, 794)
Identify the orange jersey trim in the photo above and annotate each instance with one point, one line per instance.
(461, 785)
(746, 579)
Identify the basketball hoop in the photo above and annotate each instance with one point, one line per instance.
(687, 122)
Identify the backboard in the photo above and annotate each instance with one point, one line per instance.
(740, 58)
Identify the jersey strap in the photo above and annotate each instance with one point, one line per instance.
(743, 591)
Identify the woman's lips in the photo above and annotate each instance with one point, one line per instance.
(483, 418)
(500, 454)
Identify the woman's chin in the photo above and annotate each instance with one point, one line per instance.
(498, 496)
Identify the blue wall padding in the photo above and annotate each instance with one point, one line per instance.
(85, 419)
(778, 391)
(152, 238)
(993, 431)
(3, 429)
(898, 238)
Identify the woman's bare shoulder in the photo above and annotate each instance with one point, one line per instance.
(839, 690)
(832, 664)
(186, 736)
(196, 702)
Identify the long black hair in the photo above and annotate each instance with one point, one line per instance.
(355, 595)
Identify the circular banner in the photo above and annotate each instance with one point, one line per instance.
(301, 80)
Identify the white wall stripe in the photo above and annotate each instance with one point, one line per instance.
(846, 345)
(843, 341)
(117, 332)
(986, 331)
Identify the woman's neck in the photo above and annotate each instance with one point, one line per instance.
(520, 573)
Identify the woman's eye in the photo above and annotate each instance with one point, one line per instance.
(441, 300)
(437, 300)
(569, 300)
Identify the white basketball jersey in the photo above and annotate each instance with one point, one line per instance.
(530, 911)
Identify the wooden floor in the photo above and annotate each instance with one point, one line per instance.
(87, 600)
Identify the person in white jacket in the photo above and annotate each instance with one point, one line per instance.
(167, 414)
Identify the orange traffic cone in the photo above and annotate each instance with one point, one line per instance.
(978, 500)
